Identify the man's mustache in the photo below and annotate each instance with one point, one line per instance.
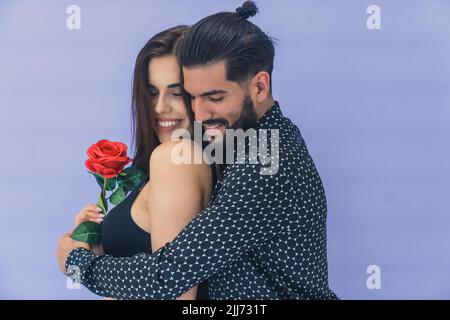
(218, 121)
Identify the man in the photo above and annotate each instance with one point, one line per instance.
(263, 236)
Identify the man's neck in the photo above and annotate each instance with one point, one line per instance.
(264, 107)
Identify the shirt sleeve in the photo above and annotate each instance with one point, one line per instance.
(249, 209)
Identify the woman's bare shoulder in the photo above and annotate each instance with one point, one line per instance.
(180, 160)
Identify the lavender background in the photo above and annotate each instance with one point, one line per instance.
(373, 107)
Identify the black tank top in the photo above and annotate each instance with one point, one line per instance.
(122, 237)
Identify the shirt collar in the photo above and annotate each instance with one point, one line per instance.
(268, 119)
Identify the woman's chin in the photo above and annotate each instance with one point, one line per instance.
(167, 135)
(163, 138)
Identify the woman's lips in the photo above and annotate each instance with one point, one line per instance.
(167, 124)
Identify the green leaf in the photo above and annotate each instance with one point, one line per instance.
(133, 177)
(110, 182)
(131, 170)
(117, 196)
(89, 232)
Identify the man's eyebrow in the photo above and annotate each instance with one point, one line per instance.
(211, 92)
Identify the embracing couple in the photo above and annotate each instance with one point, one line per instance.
(209, 230)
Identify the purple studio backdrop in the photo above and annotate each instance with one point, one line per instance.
(373, 105)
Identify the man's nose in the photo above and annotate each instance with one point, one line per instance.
(201, 110)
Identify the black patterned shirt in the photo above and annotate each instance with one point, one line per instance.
(262, 236)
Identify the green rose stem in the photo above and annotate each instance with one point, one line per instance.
(90, 231)
(101, 199)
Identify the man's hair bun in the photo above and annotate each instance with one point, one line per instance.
(248, 9)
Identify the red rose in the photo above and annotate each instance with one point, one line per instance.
(107, 158)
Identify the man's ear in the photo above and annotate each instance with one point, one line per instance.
(261, 86)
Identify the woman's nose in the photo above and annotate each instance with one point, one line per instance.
(162, 106)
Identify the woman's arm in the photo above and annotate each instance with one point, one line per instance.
(177, 193)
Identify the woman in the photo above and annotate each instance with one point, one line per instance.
(157, 209)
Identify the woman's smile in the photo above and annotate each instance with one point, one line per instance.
(168, 124)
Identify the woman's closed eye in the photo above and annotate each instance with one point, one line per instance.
(154, 94)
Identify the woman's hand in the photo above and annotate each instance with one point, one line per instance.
(91, 212)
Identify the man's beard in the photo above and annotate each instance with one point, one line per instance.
(247, 119)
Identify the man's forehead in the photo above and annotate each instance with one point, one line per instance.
(200, 79)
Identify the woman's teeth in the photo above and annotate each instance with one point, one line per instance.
(168, 124)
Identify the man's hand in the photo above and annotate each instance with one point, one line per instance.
(65, 245)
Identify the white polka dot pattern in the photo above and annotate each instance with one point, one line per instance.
(261, 237)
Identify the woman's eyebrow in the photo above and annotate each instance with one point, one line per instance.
(174, 85)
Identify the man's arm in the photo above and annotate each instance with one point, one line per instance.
(249, 210)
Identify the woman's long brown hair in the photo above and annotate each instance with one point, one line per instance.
(144, 139)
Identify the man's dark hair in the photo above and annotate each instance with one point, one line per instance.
(229, 37)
